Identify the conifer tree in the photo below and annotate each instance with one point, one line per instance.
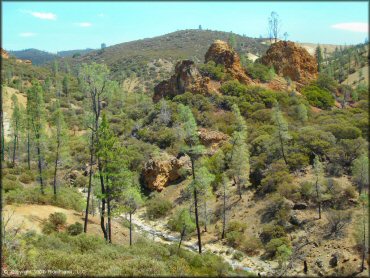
(360, 172)
(36, 110)
(194, 149)
(16, 124)
(239, 157)
(282, 135)
(318, 172)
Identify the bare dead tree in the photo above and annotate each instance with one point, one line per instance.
(274, 26)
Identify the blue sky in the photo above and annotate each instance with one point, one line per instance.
(65, 25)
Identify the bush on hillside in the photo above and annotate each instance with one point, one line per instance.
(318, 97)
(157, 207)
(75, 229)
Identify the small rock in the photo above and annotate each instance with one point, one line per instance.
(319, 263)
(334, 260)
(300, 206)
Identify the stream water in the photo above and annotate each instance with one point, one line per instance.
(158, 231)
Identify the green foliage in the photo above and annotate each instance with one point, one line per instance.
(157, 207)
(75, 229)
(10, 185)
(55, 222)
(276, 174)
(214, 71)
(318, 97)
(67, 197)
(260, 72)
(276, 244)
(271, 231)
(182, 219)
(27, 177)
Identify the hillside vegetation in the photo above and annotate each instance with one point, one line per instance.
(266, 167)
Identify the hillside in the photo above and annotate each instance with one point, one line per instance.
(151, 60)
(38, 57)
(220, 166)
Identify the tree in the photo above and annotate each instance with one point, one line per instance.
(60, 139)
(232, 41)
(66, 87)
(36, 110)
(319, 58)
(225, 182)
(302, 112)
(2, 141)
(132, 201)
(103, 45)
(183, 223)
(239, 157)
(97, 86)
(203, 183)
(200, 27)
(16, 124)
(361, 230)
(282, 135)
(360, 172)
(274, 26)
(192, 148)
(318, 172)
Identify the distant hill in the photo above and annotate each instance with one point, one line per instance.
(147, 61)
(70, 53)
(38, 57)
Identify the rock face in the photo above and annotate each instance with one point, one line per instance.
(4, 54)
(291, 60)
(221, 53)
(158, 173)
(187, 78)
(212, 138)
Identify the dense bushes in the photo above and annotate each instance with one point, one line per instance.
(89, 255)
(157, 207)
(66, 198)
(260, 71)
(318, 97)
(55, 222)
(75, 229)
(214, 71)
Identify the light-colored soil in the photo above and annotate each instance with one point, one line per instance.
(354, 77)
(28, 217)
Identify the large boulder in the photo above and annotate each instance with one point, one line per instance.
(291, 60)
(186, 78)
(221, 53)
(159, 172)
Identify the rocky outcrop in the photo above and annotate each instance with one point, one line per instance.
(27, 62)
(291, 60)
(159, 172)
(186, 78)
(4, 54)
(221, 53)
(212, 138)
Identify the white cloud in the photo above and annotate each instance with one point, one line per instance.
(47, 16)
(360, 27)
(27, 34)
(84, 24)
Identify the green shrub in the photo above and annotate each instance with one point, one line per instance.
(260, 71)
(58, 219)
(66, 197)
(273, 245)
(75, 229)
(238, 256)
(318, 97)
(157, 207)
(48, 228)
(213, 71)
(27, 177)
(11, 177)
(9, 185)
(235, 233)
(251, 245)
(270, 232)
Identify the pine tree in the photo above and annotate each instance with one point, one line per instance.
(360, 172)
(95, 83)
(16, 124)
(319, 58)
(132, 201)
(282, 135)
(239, 158)
(318, 172)
(36, 110)
(60, 140)
(192, 148)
